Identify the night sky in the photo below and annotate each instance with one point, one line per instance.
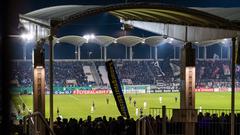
(102, 24)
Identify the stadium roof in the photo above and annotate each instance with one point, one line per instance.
(152, 12)
(185, 24)
(129, 40)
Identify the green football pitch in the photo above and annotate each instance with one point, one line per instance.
(79, 106)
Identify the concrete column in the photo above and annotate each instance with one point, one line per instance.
(105, 53)
(126, 52)
(156, 52)
(79, 52)
(221, 53)
(174, 52)
(130, 54)
(229, 53)
(233, 72)
(198, 52)
(24, 52)
(101, 52)
(76, 52)
(205, 52)
(150, 52)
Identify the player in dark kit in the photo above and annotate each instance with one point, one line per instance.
(23, 106)
(134, 103)
(93, 105)
(130, 99)
(141, 112)
(107, 100)
(176, 99)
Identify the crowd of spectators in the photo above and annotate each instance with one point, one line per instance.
(207, 124)
(139, 72)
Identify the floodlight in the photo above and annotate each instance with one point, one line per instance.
(27, 36)
(86, 37)
(92, 36)
(170, 40)
(115, 41)
(89, 36)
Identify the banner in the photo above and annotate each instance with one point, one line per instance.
(116, 89)
(84, 92)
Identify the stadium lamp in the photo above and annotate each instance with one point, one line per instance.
(170, 40)
(89, 36)
(27, 36)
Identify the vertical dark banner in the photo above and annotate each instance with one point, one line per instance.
(116, 89)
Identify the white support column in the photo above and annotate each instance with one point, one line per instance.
(198, 52)
(156, 55)
(205, 52)
(79, 52)
(76, 52)
(179, 54)
(105, 53)
(174, 52)
(221, 53)
(24, 52)
(126, 52)
(150, 52)
(130, 54)
(229, 53)
(101, 52)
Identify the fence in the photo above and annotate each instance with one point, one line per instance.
(169, 111)
(35, 124)
(170, 121)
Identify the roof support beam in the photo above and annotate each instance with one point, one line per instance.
(178, 32)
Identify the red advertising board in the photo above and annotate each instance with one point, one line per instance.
(82, 92)
(204, 90)
(215, 90)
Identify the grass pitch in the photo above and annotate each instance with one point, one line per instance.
(79, 106)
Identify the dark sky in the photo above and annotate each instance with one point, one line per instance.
(24, 6)
(103, 25)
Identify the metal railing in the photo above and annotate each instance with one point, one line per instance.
(30, 124)
(169, 111)
(192, 121)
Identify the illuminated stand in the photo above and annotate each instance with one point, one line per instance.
(39, 85)
(187, 103)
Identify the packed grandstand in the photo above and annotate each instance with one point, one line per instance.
(72, 75)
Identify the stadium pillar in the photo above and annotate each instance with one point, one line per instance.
(150, 52)
(130, 53)
(105, 53)
(24, 52)
(221, 53)
(205, 52)
(187, 95)
(155, 53)
(51, 54)
(101, 52)
(174, 52)
(39, 86)
(229, 53)
(198, 52)
(126, 52)
(233, 87)
(79, 50)
(76, 52)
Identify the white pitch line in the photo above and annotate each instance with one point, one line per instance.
(75, 98)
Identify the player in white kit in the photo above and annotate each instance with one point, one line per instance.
(145, 104)
(160, 99)
(136, 111)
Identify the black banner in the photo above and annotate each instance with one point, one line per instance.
(116, 89)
